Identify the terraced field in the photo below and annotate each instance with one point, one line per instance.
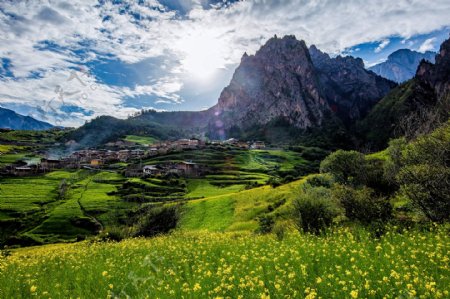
(67, 205)
(59, 206)
(144, 140)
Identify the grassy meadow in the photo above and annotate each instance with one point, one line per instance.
(346, 263)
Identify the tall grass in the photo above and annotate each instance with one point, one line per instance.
(345, 263)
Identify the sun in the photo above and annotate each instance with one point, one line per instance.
(203, 54)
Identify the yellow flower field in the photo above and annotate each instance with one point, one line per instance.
(343, 264)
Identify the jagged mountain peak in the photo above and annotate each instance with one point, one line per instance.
(286, 80)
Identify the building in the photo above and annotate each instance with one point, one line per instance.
(258, 145)
(50, 164)
(96, 162)
(188, 168)
(151, 170)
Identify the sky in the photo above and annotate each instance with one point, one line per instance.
(66, 62)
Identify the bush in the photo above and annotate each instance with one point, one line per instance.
(320, 180)
(393, 162)
(265, 224)
(362, 205)
(428, 187)
(157, 220)
(425, 174)
(373, 176)
(314, 210)
(115, 233)
(274, 182)
(347, 167)
(279, 229)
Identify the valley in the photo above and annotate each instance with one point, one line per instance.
(312, 175)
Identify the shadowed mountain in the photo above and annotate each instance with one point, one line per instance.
(12, 120)
(402, 64)
(287, 84)
(416, 107)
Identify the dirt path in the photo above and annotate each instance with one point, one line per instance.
(93, 218)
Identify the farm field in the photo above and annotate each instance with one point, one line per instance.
(346, 263)
(143, 140)
(93, 201)
(35, 209)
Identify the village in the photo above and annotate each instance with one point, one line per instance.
(127, 156)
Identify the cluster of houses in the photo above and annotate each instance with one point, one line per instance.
(184, 168)
(97, 158)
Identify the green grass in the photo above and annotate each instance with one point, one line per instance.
(34, 203)
(236, 211)
(6, 159)
(6, 148)
(35, 137)
(26, 195)
(344, 264)
(213, 214)
(202, 188)
(143, 140)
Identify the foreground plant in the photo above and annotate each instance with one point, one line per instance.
(343, 264)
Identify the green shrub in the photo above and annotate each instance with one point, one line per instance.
(320, 180)
(428, 187)
(115, 233)
(279, 229)
(362, 205)
(347, 167)
(274, 182)
(425, 174)
(373, 176)
(265, 224)
(393, 162)
(314, 210)
(157, 220)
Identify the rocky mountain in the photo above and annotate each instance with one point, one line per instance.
(279, 81)
(416, 107)
(402, 64)
(300, 87)
(351, 90)
(12, 120)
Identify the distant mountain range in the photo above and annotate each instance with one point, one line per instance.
(12, 120)
(402, 64)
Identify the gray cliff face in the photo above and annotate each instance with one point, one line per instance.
(402, 64)
(303, 87)
(351, 90)
(279, 81)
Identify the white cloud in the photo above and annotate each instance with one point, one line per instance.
(427, 45)
(196, 44)
(382, 45)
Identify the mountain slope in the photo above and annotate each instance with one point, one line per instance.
(12, 120)
(402, 64)
(416, 107)
(349, 88)
(287, 84)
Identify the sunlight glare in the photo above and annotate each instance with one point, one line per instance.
(203, 55)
